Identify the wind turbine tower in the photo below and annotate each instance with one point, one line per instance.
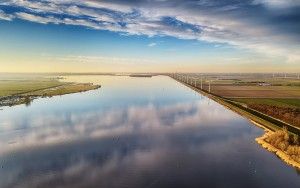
(201, 82)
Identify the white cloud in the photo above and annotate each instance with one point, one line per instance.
(35, 18)
(152, 44)
(213, 25)
(107, 5)
(4, 16)
(278, 3)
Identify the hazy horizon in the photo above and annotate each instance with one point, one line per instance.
(152, 72)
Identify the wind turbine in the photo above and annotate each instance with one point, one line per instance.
(201, 82)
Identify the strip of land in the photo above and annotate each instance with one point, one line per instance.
(286, 110)
(286, 135)
(278, 97)
(14, 91)
(141, 75)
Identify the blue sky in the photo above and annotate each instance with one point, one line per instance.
(161, 35)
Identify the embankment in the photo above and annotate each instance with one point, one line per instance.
(269, 124)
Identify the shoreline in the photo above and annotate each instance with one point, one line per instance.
(229, 106)
(71, 87)
(281, 154)
(64, 89)
(269, 147)
(267, 126)
(263, 119)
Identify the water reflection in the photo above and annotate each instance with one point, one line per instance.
(150, 142)
(57, 128)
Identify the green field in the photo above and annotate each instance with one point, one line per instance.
(246, 85)
(15, 91)
(19, 86)
(64, 89)
(277, 97)
(287, 103)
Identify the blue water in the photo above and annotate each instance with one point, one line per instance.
(134, 132)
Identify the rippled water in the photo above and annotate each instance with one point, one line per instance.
(134, 132)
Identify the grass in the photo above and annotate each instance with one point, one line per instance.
(15, 91)
(251, 80)
(249, 91)
(65, 89)
(247, 85)
(287, 103)
(19, 86)
(287, 110)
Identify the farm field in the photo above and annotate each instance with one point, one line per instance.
(15, 91)
(249, 85)
(278, 97)
(288, 103)
(12, 86)
(235, 91)
(287, 110)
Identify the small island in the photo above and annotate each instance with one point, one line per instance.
(141, 75)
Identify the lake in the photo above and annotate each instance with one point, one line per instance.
(134, 132)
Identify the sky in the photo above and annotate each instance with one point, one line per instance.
(150, 36)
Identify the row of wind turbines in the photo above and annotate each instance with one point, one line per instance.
(192, 80)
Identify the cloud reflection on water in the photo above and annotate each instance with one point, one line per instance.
(53, 128)
(153, 135)
(179, 157)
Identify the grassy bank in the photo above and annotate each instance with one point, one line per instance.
(287, 110)
(23, 91)
(287, 103)
(13, 86)
(64, 89)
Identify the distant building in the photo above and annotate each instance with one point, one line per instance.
(264, 84)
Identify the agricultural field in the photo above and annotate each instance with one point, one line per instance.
(249, 85)
(236, 91)
(277, 96)
(66, 88)
(13, 86)
(15, 90)
(287, 110)
(287, 103)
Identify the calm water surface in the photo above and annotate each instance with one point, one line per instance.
(134, 132)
